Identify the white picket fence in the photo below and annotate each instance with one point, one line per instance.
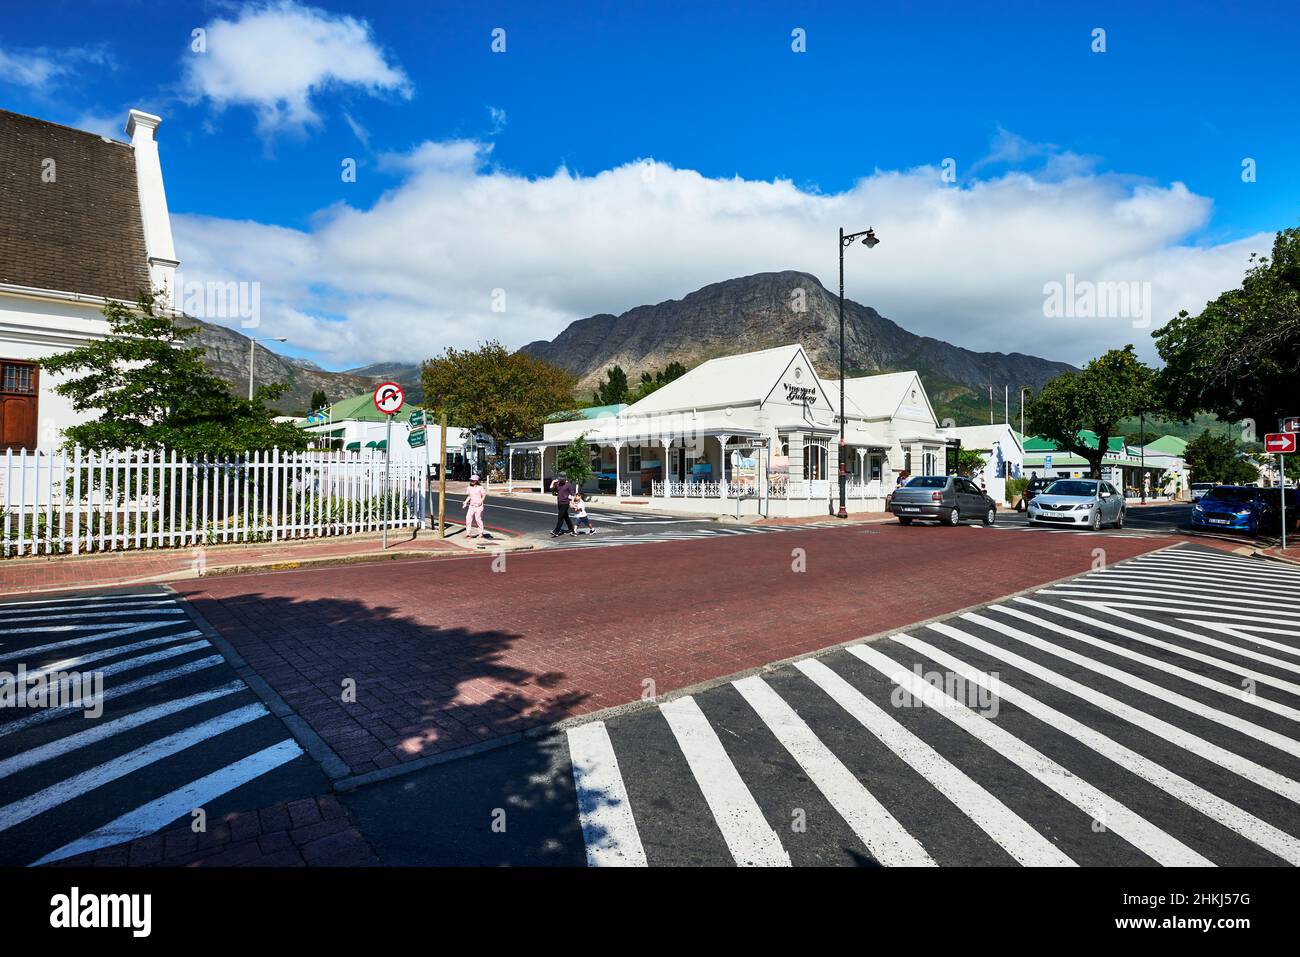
(73, 502)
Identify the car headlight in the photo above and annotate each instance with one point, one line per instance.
(1083, 507)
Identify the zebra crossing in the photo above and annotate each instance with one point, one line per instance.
(1147, 713)
(680, 534)
(119, 719)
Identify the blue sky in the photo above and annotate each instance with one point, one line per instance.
(1042, 131)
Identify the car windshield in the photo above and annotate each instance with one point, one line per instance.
(1073, 487)
(1230, 494)
(927, 481)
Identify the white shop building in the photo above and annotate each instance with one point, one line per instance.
(756, 433)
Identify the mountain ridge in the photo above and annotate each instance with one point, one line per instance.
(777, 308)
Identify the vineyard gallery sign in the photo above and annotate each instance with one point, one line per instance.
(800, 394)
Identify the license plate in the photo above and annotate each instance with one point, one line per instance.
(1218, 521)
(906, 509)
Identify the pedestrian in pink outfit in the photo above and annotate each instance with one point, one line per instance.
(475, 496)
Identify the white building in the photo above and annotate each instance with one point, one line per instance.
(355, 425)
(1003, 451)
(83, 220)
(761, 428)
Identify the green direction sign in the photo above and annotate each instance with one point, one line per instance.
(415, 438)
(417, 417)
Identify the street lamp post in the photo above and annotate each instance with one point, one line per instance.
(870, 241)
(252, 350)
(1142, 453)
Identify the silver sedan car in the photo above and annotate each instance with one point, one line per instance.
(1078, 502)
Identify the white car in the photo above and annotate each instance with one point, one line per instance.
(1078, 502)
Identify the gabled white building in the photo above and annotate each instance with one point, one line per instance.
(83, 219)
(761, 428)
(1003, 450)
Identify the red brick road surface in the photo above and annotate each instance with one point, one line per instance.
(447, 653)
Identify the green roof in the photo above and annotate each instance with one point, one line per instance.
(1168, 445)
(359, 408)
(594, 412)
(1036, 443)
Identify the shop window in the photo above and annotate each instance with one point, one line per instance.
(634, 458)
(814, 462)
(784, 440)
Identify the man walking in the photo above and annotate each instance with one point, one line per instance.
(564, 490)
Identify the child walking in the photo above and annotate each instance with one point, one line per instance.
(475, 496)
(578, 509)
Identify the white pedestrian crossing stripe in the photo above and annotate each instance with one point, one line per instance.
(1061, 729)
(683, 535)
(164, 728)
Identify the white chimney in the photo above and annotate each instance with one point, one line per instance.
(142, 128)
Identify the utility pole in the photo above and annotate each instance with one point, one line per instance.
(442, 476)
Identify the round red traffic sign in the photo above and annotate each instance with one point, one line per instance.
(389, 398)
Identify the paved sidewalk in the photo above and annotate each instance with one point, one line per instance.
(313, 832)
(403, 662)
(62, 572)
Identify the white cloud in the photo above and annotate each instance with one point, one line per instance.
(43, 67)
(416, 271)
(277, 57)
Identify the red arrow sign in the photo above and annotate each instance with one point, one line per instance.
(1280, 443)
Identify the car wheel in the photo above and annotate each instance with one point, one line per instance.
(904, 521)
(990, 516)
(1119, 522)
(953, 517)
(1096, 521)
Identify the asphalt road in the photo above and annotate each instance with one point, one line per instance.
(1101, 721)
(525, 517)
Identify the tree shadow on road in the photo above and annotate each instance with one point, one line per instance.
(382, 689)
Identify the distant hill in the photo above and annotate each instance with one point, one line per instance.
(227, 356)
(759, 311)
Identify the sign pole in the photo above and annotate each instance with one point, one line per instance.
(1281, 474)
(387, 445)
(442, 477)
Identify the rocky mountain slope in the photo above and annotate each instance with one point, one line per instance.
(759, 311)
(227, 356)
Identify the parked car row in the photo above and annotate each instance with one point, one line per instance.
(948, 499)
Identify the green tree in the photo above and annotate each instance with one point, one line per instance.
(140, 388)
(1238, 358)
(970, 461)
(319, 400)
(1216, 458)
(613, 388)
(507, 394)
(574, 460)
(1108, 389)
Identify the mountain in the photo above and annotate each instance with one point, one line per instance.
(756, 312)
(227, 356)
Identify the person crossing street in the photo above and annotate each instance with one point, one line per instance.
(475, 497)
(563, 490)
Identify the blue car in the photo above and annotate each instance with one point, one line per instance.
(1241, 508)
